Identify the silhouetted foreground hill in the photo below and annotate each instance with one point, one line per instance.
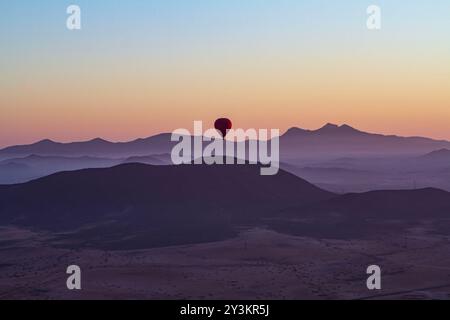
(426, 203)
(137, 205)
(375, 213)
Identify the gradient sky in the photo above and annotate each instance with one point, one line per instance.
(139, 67)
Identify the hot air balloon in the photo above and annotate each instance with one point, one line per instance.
(223, 125)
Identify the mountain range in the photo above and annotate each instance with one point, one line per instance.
(337, 158)
(330, 140)
(158, 144)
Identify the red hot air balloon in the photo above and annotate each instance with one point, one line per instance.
(223, 125)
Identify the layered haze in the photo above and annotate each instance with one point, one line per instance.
(337, 158)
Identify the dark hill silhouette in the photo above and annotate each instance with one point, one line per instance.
(428, 203)
(137, 205)
(370, 214)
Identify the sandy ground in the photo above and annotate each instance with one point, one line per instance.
(259, 264)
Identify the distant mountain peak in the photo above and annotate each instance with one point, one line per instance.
(329, 128)
(335, 129)
(46, 141)
(99, 140)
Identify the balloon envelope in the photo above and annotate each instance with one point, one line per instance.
(222, 125)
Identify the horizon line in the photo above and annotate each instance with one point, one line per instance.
(328, 124)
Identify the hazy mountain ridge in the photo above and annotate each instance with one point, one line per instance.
(441, 154)
(22, 169)
(97, 147)
(332, 141)
(338, 158)
(347, 137)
